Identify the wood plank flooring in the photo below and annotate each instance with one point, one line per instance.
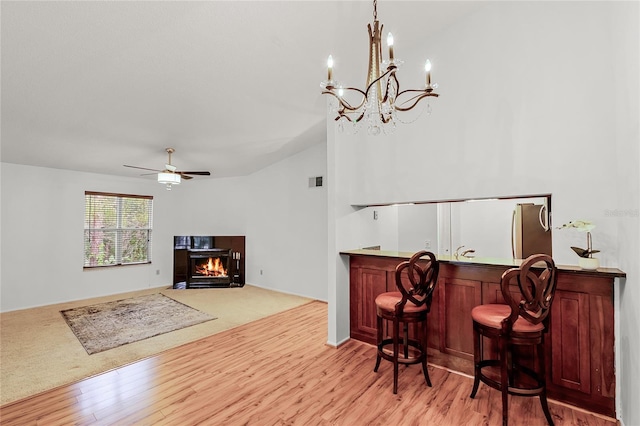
(277, 371)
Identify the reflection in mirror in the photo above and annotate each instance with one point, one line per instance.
(503, 228)
(499, 228)
(417, 227)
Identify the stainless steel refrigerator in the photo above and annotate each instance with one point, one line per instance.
(530, 231)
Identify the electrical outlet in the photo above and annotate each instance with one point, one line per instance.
(260, 271)
(375, 215)
(157, 271)
(427, 244)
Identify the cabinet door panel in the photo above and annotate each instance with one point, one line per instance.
(602, 346)
(433, 319)
(457, 299)
(570, 345)
(368, 284)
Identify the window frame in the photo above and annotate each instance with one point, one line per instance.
(118, 230)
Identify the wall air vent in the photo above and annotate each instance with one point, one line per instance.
(315, 181)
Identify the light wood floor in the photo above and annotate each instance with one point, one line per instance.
(276, 371)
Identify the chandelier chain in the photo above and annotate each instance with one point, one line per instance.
(375, 10)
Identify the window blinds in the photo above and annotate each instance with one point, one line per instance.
(117, 229)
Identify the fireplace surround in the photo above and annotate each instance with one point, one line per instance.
(208, 261)
(208, 268)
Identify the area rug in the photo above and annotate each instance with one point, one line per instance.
(109, 325)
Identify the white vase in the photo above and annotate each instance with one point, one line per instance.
(590, 263)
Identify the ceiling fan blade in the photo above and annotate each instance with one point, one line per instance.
(169, 168)
(195, 173)
(142, 168)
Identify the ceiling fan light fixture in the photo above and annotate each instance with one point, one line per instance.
(169, 179)
(170, 175)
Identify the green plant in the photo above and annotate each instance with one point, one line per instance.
(582, 226)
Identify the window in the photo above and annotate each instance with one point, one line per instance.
(117, 229)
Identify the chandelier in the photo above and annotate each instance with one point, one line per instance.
(379, 104)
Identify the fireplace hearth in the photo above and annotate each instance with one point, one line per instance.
(208, 261)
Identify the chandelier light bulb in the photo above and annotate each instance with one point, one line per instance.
(329, 67)
(390, 44)
(427, 69)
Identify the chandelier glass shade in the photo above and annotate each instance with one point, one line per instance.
(380, 103)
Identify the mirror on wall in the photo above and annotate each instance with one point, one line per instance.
(511, 228)
(504, 228)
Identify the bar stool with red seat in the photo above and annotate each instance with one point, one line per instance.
(523, 320)
(410, 304)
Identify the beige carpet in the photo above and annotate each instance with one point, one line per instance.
(38, 351)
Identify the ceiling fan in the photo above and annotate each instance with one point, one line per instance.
(170, 176)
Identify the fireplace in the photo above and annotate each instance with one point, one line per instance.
(201, 261)
(208, 268)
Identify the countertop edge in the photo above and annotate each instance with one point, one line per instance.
(612, 272)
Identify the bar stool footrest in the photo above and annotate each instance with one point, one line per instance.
(513, 390)
(386, 353)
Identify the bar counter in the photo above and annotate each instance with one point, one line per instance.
(579, 345)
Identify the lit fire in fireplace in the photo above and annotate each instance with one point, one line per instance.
(212, 268)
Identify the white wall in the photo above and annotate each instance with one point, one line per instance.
(209, 207)
(625, 213)
(516, 115)
(345, 229)
(43, 242)
(287, 225)
(42, 233)
(536, 97)
(284, 221)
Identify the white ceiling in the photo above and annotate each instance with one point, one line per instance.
(232, 85)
